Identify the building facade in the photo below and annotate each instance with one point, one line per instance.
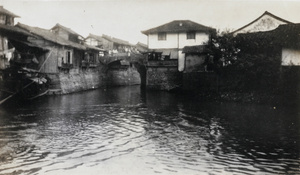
(170, 39)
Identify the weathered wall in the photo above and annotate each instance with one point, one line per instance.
(194, 63)
(290, 57)
(163, 78)
(74, 82)
(123, 77)
(176, 40)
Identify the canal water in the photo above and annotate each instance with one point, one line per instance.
(126, 130)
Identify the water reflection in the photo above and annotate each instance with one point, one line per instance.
(128, 131)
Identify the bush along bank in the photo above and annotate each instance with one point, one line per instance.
(251, 71)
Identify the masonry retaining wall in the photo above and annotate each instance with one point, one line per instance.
(163, 78)
(123, 77)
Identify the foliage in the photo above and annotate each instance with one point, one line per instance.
(247, 62)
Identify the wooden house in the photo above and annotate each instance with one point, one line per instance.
(170, 39)
(63, 54)
(67, 33)
(266, 22)
(91, 54)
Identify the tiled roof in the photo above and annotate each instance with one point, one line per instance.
(179, 26)
(284, 35)
(142, 44)
(47, 35)
(109, 38)
(99, 38)
(266, 13)
(116, 40)
(6, 12)
(13, 30)
(66, 29)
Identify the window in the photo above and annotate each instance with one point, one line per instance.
(162, 36)
(190, 35)
(68, 57)
(2, 19)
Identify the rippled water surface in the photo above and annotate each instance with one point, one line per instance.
(128, 131)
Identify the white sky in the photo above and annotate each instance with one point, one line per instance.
(125, 19)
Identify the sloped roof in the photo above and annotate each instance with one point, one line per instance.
(195, 49)
(6, 12)
(13, 30)
(179, 26)
(47, 35)
(116, 40)
(66, 29)
(94, 36)
(284, 35)
(109, 38)
(288, 34)
(142, 44)
(93, 47)
(265, 13)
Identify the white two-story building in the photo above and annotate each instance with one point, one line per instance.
(171, 38)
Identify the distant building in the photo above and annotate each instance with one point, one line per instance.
(169, 39)
(110, 44)
(7, 17)
(67, 33)
(91, 55)
(141, 47)
(266, 22)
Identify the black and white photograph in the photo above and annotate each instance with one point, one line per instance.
(146, 87)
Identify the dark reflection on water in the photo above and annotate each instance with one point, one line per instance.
(128, 131)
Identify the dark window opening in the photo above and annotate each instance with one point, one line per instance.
(162, 36)
(68, 57)
(190, 35)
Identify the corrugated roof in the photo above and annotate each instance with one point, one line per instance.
(265, 13)
(6, 12)
(47, 35)
(179, 26)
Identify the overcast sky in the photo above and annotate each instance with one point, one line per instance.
(125, 19)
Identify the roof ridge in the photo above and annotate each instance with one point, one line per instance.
(7, 12)
(265, 13)
(178, 26)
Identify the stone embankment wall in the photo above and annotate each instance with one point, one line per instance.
(75, 81)
(163, 78)
(123, 77)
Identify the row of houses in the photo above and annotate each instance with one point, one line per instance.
(180, 46)
(59, 59)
